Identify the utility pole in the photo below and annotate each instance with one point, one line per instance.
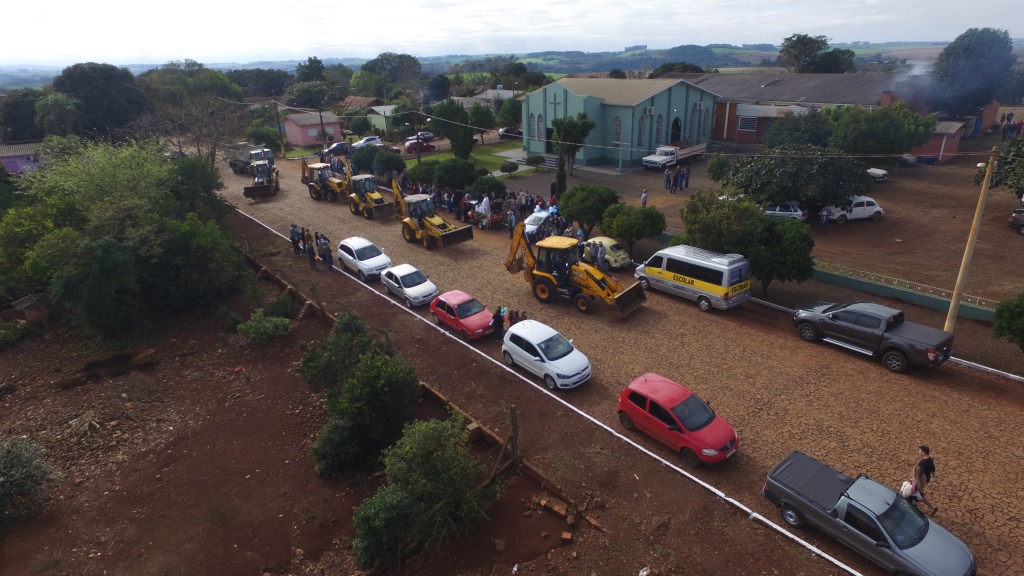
(280, 131)
(961, 279)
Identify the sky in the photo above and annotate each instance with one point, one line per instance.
(240, 31)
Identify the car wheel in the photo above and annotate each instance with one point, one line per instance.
(625, 420)
(1021, 229)
(895, 360)
(704, 304)
(583, 303)
(549, 382)
(791, 516)
(876, 216)
(332, 196)
(689, 458)
(368, 213)
(437, 319)
(408, 233)
(841, 219)
(807, 332)
(544, 290)
(508, 358)
(645, 283)
(465, 336)
(408, 303)
(362, 277)
(313, 193)
(386, 289)
(353, 207)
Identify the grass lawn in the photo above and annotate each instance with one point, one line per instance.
(482, 155)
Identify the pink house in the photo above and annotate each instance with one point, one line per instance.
(20, 157)
(301, 129)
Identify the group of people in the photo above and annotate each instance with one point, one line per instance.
(1010, 130)
(677, 180)
(312, 244)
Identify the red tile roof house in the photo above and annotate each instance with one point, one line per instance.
(20, 157)
(301, 129)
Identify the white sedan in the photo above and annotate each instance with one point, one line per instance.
(368, 141)
(362, 257)
(409, 284)
(544, 352)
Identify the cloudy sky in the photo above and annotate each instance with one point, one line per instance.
(219, 31)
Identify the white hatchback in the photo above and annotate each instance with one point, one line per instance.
(409, 284)
(362, 257)
(545, 353)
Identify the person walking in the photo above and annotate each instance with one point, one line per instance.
(923, 474)
(328, 256)
(597, 254)
(668, 179)
(552, 189)
(686, 177)
(311, 252)
(302, 238)
(321, 248)
(823, 217)
(643, 199)
(498, 321)
(293, 236)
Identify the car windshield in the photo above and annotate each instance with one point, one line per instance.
(555, 347)
(367, 252)
(468, 308)
(536, 218)
(414, 278)
(905, 524)
(616, 248)
(693, 413)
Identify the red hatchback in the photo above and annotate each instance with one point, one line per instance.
(678, 419)
(463, 314)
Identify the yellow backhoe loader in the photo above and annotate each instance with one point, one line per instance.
(420, 221)
(322, 182)
(264, 180)
(556, 270)
(365, 199)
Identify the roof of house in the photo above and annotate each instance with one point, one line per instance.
(16, 150)
(617, 91)
(312, 118)
(491, 94)
(948, 127)
(360, 102)
(860, 89)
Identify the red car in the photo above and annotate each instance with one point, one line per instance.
(463, 314)
(410, 146)
(678, 419)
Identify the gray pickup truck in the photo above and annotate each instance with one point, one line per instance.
(869, 517)
(875, 330)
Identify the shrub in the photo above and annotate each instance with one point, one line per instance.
(509, 167)
(384, 527)
(11, 334)
(231, 318)
(534, 160)
(24, 473)
(376, 400)
(677, 240)
(261, 329)
(333, 359)
(284, 306)
(335, 450)
(1009, 320)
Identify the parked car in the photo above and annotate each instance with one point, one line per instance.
(677, 418)
(537, 226)
(421, 136)
(908, 160)
(877, 174)
(509, 133)
(1017, 220)
(412, 145)
(860, 207)
(786, 210)
(389, 148)
(463, 314)
(368, 141)
(542, 351)
(362, 257)
(614, 255)
(338, 148)
(866, 515)
(409, 284)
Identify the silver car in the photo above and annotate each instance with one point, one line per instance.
(362, 257)
(409, 284)
(786, 210)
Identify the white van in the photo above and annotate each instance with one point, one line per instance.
(714, 280)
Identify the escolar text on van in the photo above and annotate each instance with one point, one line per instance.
(714, 280)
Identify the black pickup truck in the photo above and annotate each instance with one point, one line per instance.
(875, 330)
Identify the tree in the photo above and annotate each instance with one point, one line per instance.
(332, 360)
(569, 134)
(423, 172)
(454, 124)
(718, 225)
(482, 119)
(812, 128)
(109, 95)
(17, 114)
(99, 288)
(718, 167)
(490, 185)
(586, 204)
(970, 70)
(1008, 321)
(260, 82)
(24, 474)
(778, 249)
(360, 125)
(439, 87)
(401, 70)
(312, 70)
(511, 113)
(59, 114)
(804, 53)
(667, 67)
(454, 174)
(800, 173)
(362, 159)
(617, 73)
(1012, 93)
(1009, 170)
(630, 224)
(892, 130)
(506, 167)
(386, 162)
(365, 83)
(308, 94)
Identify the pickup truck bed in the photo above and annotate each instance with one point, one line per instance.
(817, 483)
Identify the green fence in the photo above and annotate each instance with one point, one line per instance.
(968, 311)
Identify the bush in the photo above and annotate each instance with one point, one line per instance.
(384, 527)
(677, 240)
(1009, 320)
(11, 334)
(261, 329)
(333, 359)
(231, 319)
(284, 306)
(335, 450)
(24, 474)
(534, 160)
(509, 167)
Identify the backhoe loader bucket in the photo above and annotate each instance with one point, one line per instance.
(455, 236)
(258, 191)
(384, 209)
(630, 299)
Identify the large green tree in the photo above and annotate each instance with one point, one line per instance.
(57, 113)
(891, 130)
(110, 96)
(586, 205)
(312, 70)
(454, 174)
(812, 128)
(17, 115)
(452, 121)
(511, 113)
(719, 225)
(260, 81)
(482, 119)
(630, 224)
(315, 95)
(439, 87)
(971, 70)
(1009, 170)
(569, 134)
(402, 70)
(666, 67)
(779, 249)
(805, 53)
(800, 173)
